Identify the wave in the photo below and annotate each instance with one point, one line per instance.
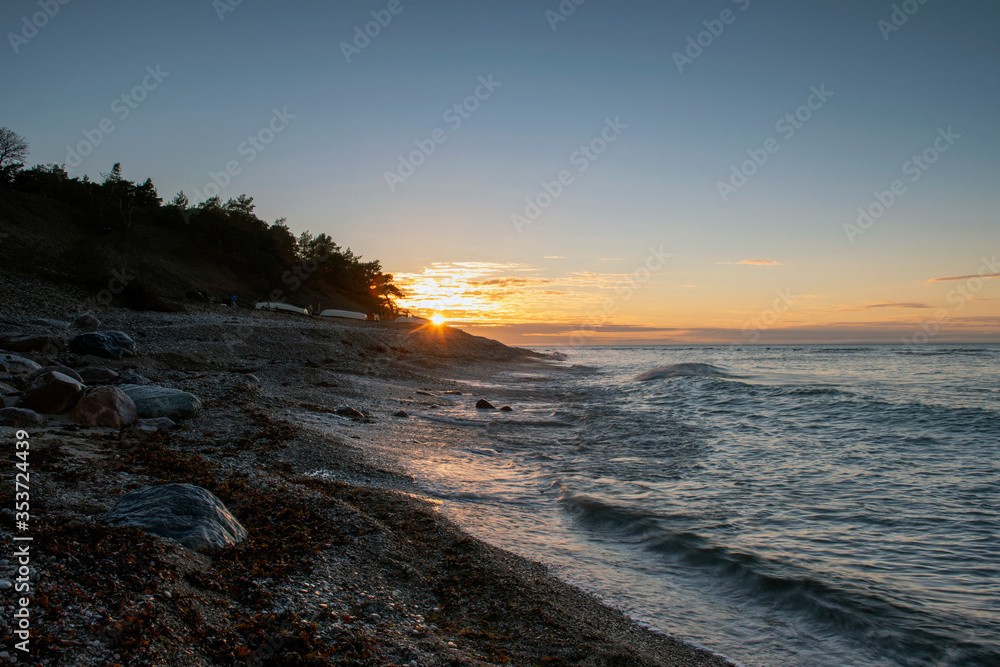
(489, 421)
(891, 627)
(944, 351)
(683, 370)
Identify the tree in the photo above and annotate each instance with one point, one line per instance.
(283, 241)
(145, 195)
(180, 201)
(120, 196)
(13, 148)
(13, 153)
(242, 204)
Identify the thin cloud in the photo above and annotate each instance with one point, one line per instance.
(512, 282)
(903, 305)
(553, 257)
(755, 262)
(977, 275)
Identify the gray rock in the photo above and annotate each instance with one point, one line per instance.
(18, 364)
(131, 377)
(105, 406)
(7, 390)
(98, 375)
(51, 393)
(154, 425)
(251, 378)
(193, 516)
(86, 322)
(20, 417)
(46, 322)
(483, 404)
(155, 401)
(348, 411)
(62, 369)
(506, 408)
(402, 414)
(23, 342)
(15, 381)
(106, 344)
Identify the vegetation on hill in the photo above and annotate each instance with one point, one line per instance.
(118, 232)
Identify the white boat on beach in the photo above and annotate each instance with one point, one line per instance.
(349, 314)
(284, 307)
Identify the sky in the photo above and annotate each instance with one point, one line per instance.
(576, 172)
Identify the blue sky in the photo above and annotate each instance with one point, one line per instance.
(656, 185)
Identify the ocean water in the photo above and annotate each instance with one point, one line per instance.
(810, 505)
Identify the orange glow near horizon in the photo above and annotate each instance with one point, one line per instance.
(707, 304)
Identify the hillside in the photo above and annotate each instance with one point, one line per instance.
(117, 241)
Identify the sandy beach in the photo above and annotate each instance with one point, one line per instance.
(345, 562)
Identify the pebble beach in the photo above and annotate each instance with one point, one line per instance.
(344, 561)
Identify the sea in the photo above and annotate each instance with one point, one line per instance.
(814, 505)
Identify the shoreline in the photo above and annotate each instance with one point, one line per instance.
(353, 567)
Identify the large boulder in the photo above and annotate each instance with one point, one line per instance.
(483, 404)
(189, 514)
(24, 342)
(20, 418)
(106, 344)
(51, 393)
(154, 401)
(98, 375)
(105, 406)
(18, 364)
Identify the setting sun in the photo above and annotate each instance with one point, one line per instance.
(437, 319)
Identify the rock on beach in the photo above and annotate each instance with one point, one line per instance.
(154, 425)
(105, 344)
(20, 418)
(51, 393)
(23, 342)
(193, 516)
(98, 375)
(105, 406)
(18, 364)
(86, 322)
(155, 401)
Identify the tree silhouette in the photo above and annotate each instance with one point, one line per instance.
(13, 152)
